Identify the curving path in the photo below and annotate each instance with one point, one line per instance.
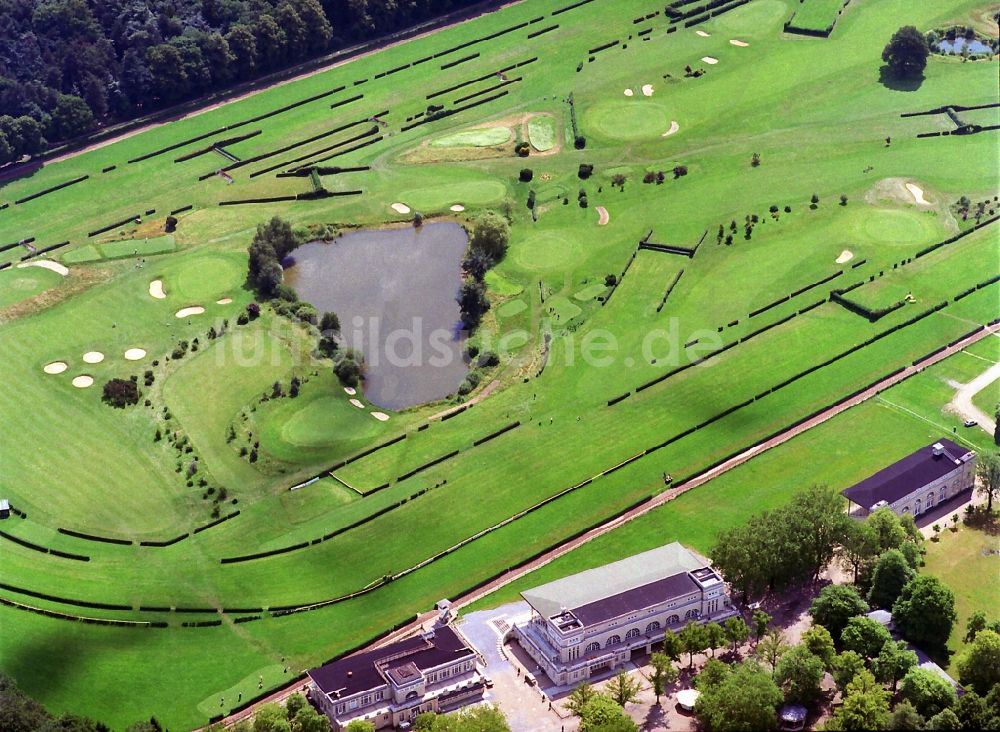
(962, 404)
(657, 501)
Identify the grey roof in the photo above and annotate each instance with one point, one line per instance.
(635, 599)
(585, 589)
(909, 474)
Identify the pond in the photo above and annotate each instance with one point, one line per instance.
(394, 291)
(956, 46)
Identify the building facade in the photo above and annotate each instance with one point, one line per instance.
(593, 621)
(389, 687)
(917, 483)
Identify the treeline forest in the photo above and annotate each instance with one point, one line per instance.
(67, 66)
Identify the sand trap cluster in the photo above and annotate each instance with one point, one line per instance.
(156, 290)
(56, 367)
(380, 416)
(224, 301)
(845, 256)
(350, 390)
(192, 310)
(93, 357)
(673, 128)
(918, 194)
(741, 44)
(710, 60)
(48, 264)
(702, 33)
(135, 354)
(357, 403)
(458, 208)
(400, 208)
(83, 381)
(602, 216)
(647, 90)
(629, 92)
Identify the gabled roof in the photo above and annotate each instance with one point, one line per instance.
(909, 474)
(614, 583)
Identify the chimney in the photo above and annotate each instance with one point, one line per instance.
(350, 674)
(938, 449)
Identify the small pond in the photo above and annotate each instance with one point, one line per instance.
(394, 290)
(959, 44)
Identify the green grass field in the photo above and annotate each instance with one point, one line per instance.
(813, 109)
(817, 14)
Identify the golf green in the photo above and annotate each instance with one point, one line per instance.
(894, 226)
(19, 284)
(512, 308)
(549, 251)
(542, 132)
(206, 277)
(470, 193)
(627, 120)
(482, 137)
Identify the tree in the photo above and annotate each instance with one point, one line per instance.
(746, 700)
(892, 572)
(846, 667)
(490, 235)
(865, 706)
(894, 661)
(272, 718)
(887, 529)
(760, 620)
(673, 647)
(713, 673)
(329, 323)
(975, 624)
(472, 302)
(120, 393)
(857, 548)
(927, 691)
(694, 640)
(816, 518)
(348, 365)
(906, 53)
(603, 715)
(820, 643)
(799, 674)
(945, 719)
(715, 637)
(834, 606)
(579, 698)
(975, 713)
(663, 674)
(360, 725)
(865, 636)
(905, 717)
(623, 689)
(772, 647)
(736, 631)
(988, 473)
(70, 117)
(979, 664)
(925, 612)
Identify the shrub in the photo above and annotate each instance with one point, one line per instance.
(755, 160)
(522, 149)
(121, 393)
(843, 199)
(650, 177)
(488, 359)
(170, 225)
(470, 382)
(526, 175)
(253, 310)
(531, 199)
(680, 171)
(610, 280)
(585, 171)
(618, 179)
(348, 365)
(286, 293)
(583, 202)
(579, 142)
(788, 209)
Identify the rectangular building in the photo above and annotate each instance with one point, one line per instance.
(592, 621)
(917, 483)
(433, 672)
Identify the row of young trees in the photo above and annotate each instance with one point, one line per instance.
(68, 64)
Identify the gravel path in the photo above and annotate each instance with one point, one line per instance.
(962, 401)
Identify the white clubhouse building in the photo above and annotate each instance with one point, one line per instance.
(592, 621)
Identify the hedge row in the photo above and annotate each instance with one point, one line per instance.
(108, 169)
(182, 209)
(6, 247)
(115, 225)
(5, 265)
(323, 170)
(871, 314)
(45, 250)
(44, 550)
(454, 110)
(493, 435)
(571, 6)
(455, 413)
(313, 195)
(425, 466)
(953, 239)
(625, 270)
(612, 402)
(92, 537)
(647, 16)
(488, 89)
(78, 618)
(342, 102)
(668, 249)
(299, 143)
(360, 136)
(981, 285)
(547, 29)
(956, 107)
(200, 623)
(63, 600)
(670, 288)
(459, 61)
(762, 329)
(272, 199)
(577, 137)
(53, 189)
(153, 609)
(168, 542)
(217, 144)
(217, 521)
(603, 47)
(644, 32)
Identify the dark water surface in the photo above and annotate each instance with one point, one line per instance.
(394, 291)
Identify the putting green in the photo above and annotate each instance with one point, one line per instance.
(888, 226)
(542, 132)
(637, 119)
(547, 252)
(590, 292)
(474, 193)
(562, 309)
(205, 277)
(512, 308)
(482, 137)
(500, 285)
(322, 422)
(86, 253)
(20, 284)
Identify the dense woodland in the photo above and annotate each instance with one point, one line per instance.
(67, 66)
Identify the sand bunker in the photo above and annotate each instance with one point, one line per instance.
(741, 44)
(380, 416)
(156, 290)
(350, 390)
(629, 92)
(400, 208)
(46, 264)
(918, 194)
(647, 90)
(134, 354)
(458, 208)
(93, 357)
(83, 381)
(56, 367)
(845, 256)
(702, 33)
(193, 310)
(224, 301)
(673, 128)
(357, 403)
(710, 60)
(602, 216)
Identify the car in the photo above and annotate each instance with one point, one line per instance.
(971, 423)
(488, 682)
(529, 678)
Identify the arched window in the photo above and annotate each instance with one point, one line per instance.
(692, 614)
(634, 633)
(916, 508)
(613, 640)
(930, 500)
(593, 647)
(673, 620)
(944, 492)
(655, 625)
(412, 695)
(906, 509)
